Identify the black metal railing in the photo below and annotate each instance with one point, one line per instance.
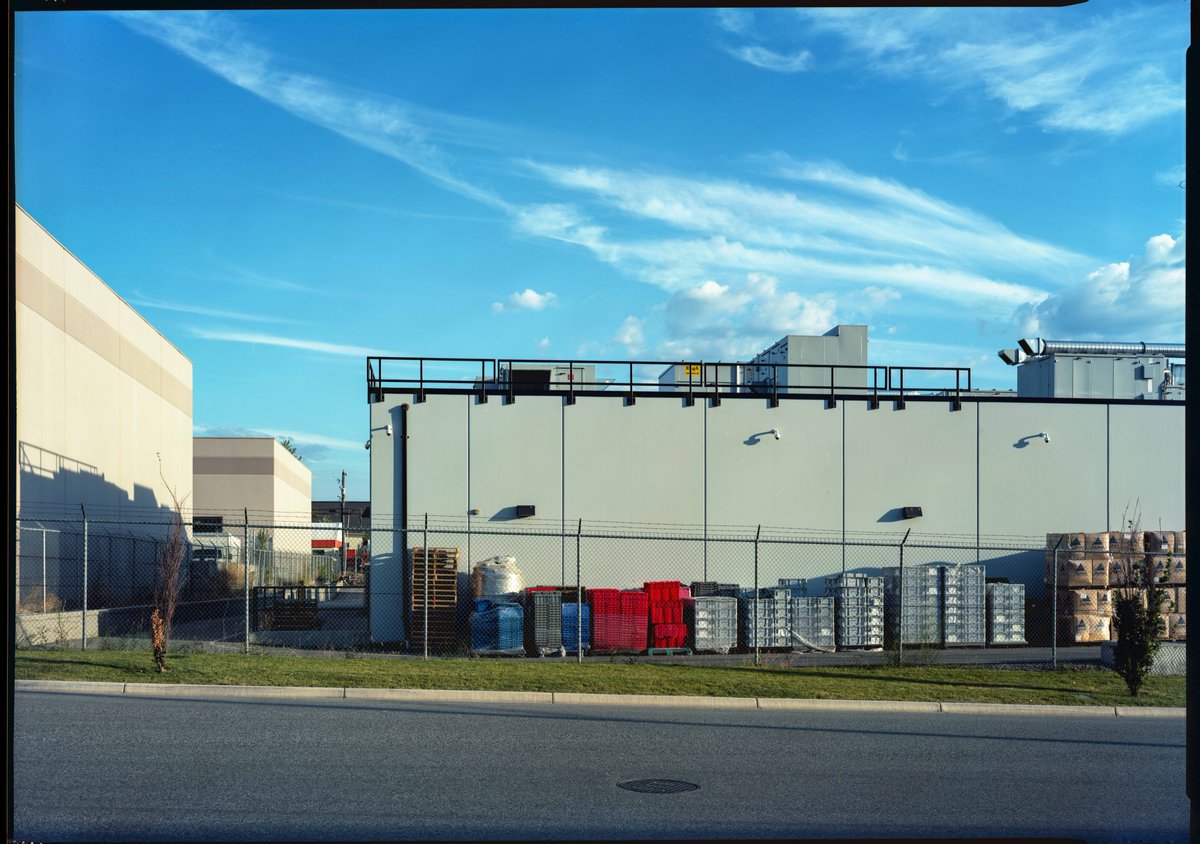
(510, 377)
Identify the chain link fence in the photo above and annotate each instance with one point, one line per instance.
(537, 587)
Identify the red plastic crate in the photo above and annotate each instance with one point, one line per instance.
(634, 618)
(662, 590)
(666, 612)
(667, 635)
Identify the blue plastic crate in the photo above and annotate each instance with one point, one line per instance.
(570, 631)
(500, 628)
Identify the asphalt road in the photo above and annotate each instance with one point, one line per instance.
(120, 767)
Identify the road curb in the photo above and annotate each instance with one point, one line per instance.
(689, 701)
(1151, 711)
(581, 698)
(200, 690)
(449, 695)
(956, 708)
(816, 704)
(70, 686)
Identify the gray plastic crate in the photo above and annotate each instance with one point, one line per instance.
(712, 623)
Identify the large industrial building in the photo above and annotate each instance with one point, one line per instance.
(807, 439)
(101, 398)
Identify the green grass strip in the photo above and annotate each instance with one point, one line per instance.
(1078, 686)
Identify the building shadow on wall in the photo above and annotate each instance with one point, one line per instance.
(123, 530)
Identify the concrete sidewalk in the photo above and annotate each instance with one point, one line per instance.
(568, 698)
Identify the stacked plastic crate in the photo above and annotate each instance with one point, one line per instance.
(811, 622)
(705, 588)
(858, 609)
(712, 622)
(543, 621)
(433, 591)
(964, 605)
(912, 605)
(497, 627)
(763, 619)
(665, 605)
(574, 633)
(1006, 613)
(635, 610)
(607, 634)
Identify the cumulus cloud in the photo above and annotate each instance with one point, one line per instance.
(1139, 299)
(631, 335)
(736, 320)
(525, 300)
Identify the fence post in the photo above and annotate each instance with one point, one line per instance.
(900, 636)
(85, 577)
(44, 569)
(579, 593)
(246, 571)
(425, 599)
(757, 632)
(1054, 610)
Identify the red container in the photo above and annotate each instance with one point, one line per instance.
(634, 617)
(608, 631)
(662, 590)
(685, 593)
(667, 635)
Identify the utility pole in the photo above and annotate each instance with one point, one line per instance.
(342, 518)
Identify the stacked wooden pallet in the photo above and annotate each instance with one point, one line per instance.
(1091, 569)
(433, 598)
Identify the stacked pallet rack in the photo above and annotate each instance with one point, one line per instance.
(667, 632)
(858, 609)
(964, 605)
(543, 621)
(912, 605)
(433, 598)
(1006, 613)
(712, 622)
(497, 628)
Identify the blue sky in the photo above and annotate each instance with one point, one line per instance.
(282, 193)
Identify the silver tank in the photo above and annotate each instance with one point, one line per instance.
(496, 576)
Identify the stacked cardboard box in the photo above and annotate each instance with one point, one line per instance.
(1090, 570)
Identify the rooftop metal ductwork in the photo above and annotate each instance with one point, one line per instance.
(1036, 346)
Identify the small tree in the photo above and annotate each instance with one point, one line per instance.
(166, 579)
(287, 443)
(1137, 615)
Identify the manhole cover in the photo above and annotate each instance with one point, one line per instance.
(658, 786)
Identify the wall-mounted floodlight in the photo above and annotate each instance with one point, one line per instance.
(387, 429)
(910, 512)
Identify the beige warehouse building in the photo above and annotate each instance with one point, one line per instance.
(236, 477)
(101, 395)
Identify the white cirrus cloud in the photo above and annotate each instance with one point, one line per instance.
(1142, 298)
(525, 300)
(766, 59)
(407, 132)
(302, 343)
(1070, 69)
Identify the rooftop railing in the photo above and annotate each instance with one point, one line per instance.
(511, 377)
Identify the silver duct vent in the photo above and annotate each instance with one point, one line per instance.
(1037, 346)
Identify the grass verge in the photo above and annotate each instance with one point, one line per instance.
(1074, 686)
